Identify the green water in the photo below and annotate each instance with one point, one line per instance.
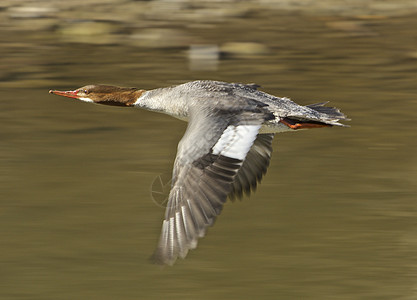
(334, 218)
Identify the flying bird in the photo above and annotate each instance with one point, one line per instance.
(224, 152)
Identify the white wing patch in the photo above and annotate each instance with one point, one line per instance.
(236, 141)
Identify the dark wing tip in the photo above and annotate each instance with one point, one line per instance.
(158, 258)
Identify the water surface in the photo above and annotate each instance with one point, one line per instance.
(335, 217)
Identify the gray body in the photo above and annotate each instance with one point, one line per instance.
(204, 94)
(224, 152)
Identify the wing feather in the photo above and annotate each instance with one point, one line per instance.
(204, 175)
(254, 167)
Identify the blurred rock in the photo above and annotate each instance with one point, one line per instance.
(204, 57)
(244, 49)
(30, 11)
(351, 27)
(198, 11)
(412, 54)
(89, 32)
(160, 38)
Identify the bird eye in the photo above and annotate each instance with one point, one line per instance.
(85, 91)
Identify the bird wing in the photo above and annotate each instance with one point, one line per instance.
(254, 166)
(209, 156)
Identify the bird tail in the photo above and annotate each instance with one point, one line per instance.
(331, 113)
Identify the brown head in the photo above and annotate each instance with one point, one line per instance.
(103, 94)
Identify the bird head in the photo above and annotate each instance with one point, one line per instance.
(103, 94)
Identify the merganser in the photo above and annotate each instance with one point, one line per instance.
(224, 152)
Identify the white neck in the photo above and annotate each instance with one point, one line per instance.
(165, 100)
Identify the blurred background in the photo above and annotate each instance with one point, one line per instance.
(334, 218)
